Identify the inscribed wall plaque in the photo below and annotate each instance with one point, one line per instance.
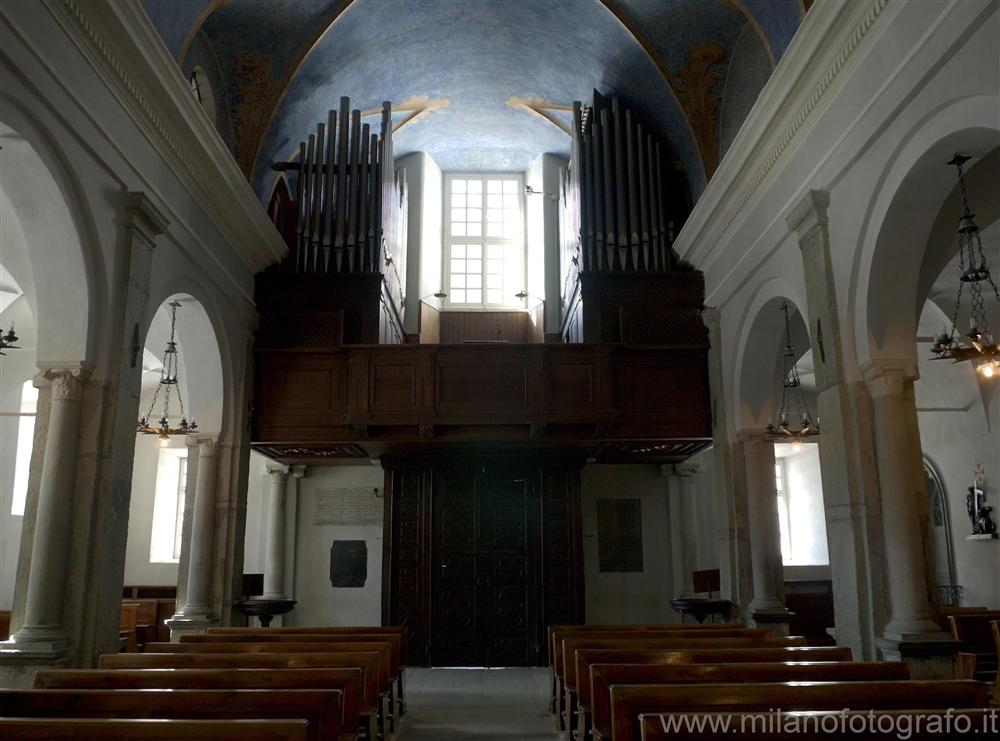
(619, 534)
(348, 506)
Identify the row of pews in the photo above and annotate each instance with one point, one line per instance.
(340, 683)
(654, 682)
(975, 628)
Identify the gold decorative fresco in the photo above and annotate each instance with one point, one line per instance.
(697, 89)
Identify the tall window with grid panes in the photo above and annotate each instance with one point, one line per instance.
(484, 241)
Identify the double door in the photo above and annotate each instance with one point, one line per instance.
(480, 555)
(484, 591)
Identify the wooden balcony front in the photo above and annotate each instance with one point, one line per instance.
(608, 402)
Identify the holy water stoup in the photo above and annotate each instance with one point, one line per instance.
(979, 511)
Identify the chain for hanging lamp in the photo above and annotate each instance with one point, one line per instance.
(794, 420)
(979, 345)
(167, 385)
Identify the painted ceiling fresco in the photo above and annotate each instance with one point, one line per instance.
(472, 63)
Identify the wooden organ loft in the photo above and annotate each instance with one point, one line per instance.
(482, 442)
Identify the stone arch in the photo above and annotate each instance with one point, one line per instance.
(55, 222)
(758, 351)
(204, 356)
(909, 195)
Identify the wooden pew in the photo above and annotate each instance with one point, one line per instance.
(978, 657)
(560, 635)
(946, 611)
(359, 696)
(145, 620)
(88, 729)
(322, 708)
(127, 626)
(604, 676)
(395, 633)
(400, 630)
(387, 672)
(222, 678)
(926, 725)
(571, 644)
(587, 657)
(359, 702)
(628, 702)
(388, 643)
(996, 643)
(4, 625)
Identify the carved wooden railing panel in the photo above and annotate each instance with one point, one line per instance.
(373, 396)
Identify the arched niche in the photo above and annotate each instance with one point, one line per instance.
(896, 263)
(200, 368)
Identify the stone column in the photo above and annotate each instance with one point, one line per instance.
(292, 509)
(900, 473)
(850, 482)
(274, 565)
(675, 518)
(735, 577)
(196, 614)
(686, 474)
(43, 633)
(767, 607)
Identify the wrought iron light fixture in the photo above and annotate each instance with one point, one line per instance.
(793, 402)
(7, 340)
(168, 382)
(979, 345)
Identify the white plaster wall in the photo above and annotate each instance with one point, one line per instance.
(318, 602)
(628, 597)
(10, 525)
(542, 216)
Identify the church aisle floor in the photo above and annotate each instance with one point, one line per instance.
(478, 705)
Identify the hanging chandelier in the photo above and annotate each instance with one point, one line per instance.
(793, 401)
(168, 383)
(7, 340)
(979, 345)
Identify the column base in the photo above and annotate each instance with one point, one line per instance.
(188, 624)
(929, 656)
(778, 619)
(18, 664)
(43, 642)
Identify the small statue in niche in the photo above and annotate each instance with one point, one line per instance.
(979, 511)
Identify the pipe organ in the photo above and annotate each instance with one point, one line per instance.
(351, 207)
(616, 236)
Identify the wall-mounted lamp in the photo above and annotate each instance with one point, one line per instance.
(529, 191)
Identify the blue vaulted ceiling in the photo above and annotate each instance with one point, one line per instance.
(282, 64)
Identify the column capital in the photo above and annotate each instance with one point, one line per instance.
(144, 217)
(751, 437)
(298, 471)
(66, 380)
(277, 472)
(887, 378)
(207, 446)
(810, 213)
(688, 470)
